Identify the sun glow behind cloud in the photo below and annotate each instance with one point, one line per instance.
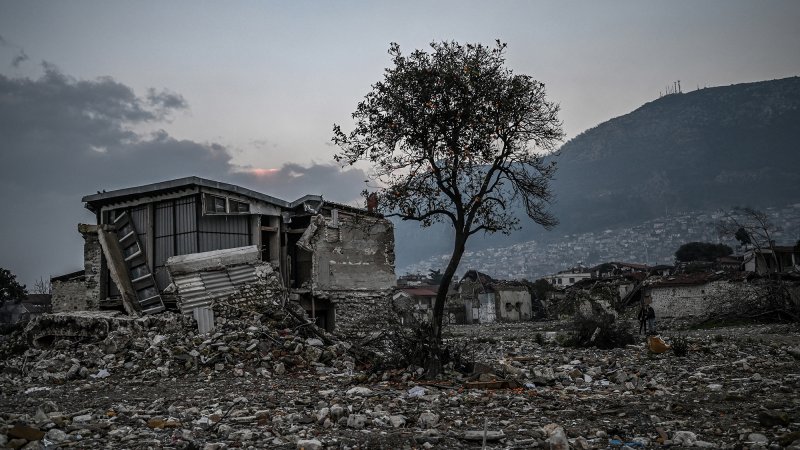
(260, 172)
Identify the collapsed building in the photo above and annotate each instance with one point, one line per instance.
(487, 300)
(179, 244)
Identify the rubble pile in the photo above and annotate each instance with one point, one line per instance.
(264, 379)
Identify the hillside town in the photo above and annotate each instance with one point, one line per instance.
(653, 242)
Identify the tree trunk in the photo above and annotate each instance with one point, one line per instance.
(434, 362)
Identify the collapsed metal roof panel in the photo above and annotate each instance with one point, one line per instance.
(200, 289)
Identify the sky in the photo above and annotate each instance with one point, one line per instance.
(101, 95)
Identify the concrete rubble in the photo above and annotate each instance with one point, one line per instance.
(264, 379)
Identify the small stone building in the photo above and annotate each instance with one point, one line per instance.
(487, 300)
(684, 295)
(337, 261)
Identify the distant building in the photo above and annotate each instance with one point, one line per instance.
(764, 261)
(568, 277)
(25, 309)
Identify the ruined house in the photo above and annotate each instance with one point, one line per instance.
(776, 259)
(335, 260)
(487, 300)
(417, 301)
(685, 295)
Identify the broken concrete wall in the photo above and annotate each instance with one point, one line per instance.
(356, 253)
(514, 304)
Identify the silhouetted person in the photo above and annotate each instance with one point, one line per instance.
(642, 316)
(651, 320)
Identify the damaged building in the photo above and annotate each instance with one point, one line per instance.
(487, 300)
(181, 243)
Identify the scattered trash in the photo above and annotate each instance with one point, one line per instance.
(102, 373)
(656, 344)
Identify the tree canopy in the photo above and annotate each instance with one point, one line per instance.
(701, 251)
(10, 289)
(450, 136)
(454, 136)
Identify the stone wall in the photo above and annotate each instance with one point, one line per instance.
(685, 301)
(358, 313)
(82, 293)
(69, 295)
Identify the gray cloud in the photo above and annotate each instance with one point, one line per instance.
(165, 100)
(19, 59)
(64, 138)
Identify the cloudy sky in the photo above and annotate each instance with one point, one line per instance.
(104, 94)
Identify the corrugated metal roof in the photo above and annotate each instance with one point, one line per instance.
(199, 289)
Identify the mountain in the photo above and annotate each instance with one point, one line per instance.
(707, 149)
(712, 148)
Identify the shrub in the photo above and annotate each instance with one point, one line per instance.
(680, 346)
(596, 325)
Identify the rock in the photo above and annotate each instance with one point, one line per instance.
(771, 418)
(686, 438)
(312, 354)
(788, 438)
(359, 390)
(477, 435)
(428, 420)
(581, 443)
(16, 443)
(25, 432)
(314, 342)
(309, 444)
(557, 438)
(55, 435)
(397, 421)
(323, 414)
(82, 418)
(40, 416)
(356, 421)
(757, 438)
(279, 369)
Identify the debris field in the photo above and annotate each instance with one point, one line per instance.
(263, 380)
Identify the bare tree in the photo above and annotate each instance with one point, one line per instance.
(451, 136)
(773, 297)
(751, 227)
(42, 286)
